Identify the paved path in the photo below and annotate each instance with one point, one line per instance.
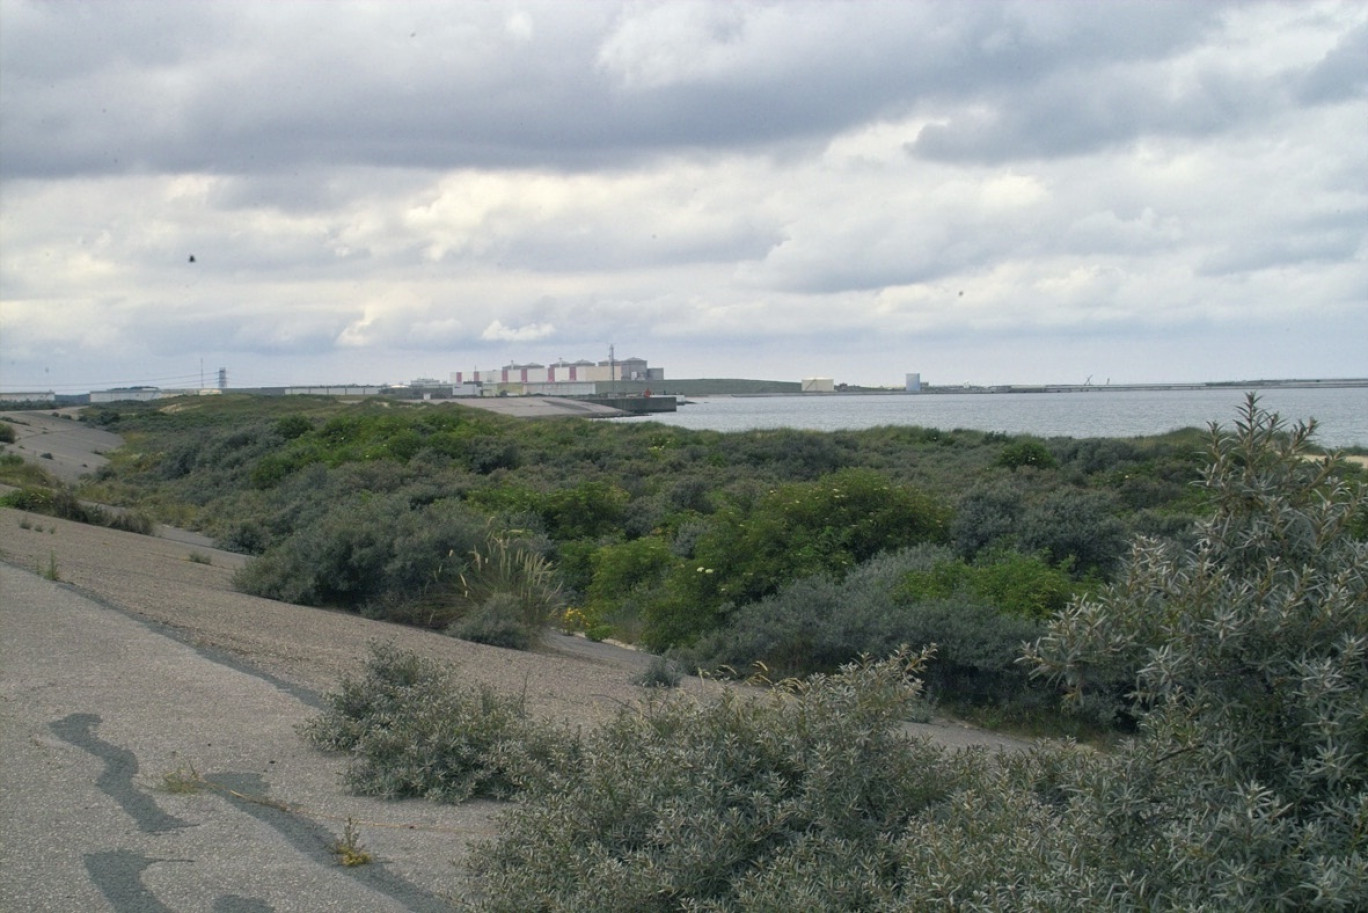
(97, 708)
(59, 443)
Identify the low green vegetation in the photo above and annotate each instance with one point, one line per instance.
(57, 500)
(682, 541)
(348, 848)
(18, 472)
(1241, 659)
(50, 572)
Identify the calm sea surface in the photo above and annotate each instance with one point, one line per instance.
(1342, 413)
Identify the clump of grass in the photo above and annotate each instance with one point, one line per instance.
(348, 848)
(514, 592)
(183, 781)
(25, 523)
(199, 558)
(59, 501)
(15, 470)
(51, 572)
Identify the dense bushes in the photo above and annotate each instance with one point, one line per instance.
(684, 805)
(1245, 659)
(819, 623)
(440, 566)
(654, 534)
(749, 550)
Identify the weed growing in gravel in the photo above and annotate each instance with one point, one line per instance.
(50, 572)
(348, 848)
(199, 558)
(183, 781)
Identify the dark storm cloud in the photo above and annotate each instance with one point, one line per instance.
(230, 88)
(1325, 239)
(1071, 113)
(1069, 116)
(1342, 73)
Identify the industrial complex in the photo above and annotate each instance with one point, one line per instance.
(564, 378)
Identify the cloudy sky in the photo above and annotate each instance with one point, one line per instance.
(980, 192)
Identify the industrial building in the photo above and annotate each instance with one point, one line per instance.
(563, 378)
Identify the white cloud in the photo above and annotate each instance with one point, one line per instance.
(721, 187)
(497, 332)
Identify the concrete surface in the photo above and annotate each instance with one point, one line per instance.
(97, 709)
(57, 442)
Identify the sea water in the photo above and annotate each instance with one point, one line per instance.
(1341, 412)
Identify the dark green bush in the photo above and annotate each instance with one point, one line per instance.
(748, 551)
(987, 518)
(820, 623)
(376, 553)
(1026, 452)
(1075, 528)
(62, 503)
(290, 427)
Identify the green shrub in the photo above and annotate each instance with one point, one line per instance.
(1022, 585)
(1245, 658)
(986, 518)
(496, 622)
(748, 551)
(1075, 528)
(19, 472)
(376, 554)
(290, 427)
(411, 730)
(819, 623)
(514, 591)
(678, 805)
(62, 503)
(1026, 452)
(7, 433)
(624, 576)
